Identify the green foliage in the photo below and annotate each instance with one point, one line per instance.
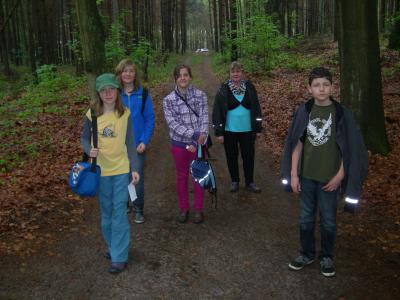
(141, 53)
(390, 71)
(46, 73)
(114, 45)
(394, 37)
(220, 62)
(41, 97)
(297, 61)
(260, 43)
(45, 96)
(3, 86)
(161, 66)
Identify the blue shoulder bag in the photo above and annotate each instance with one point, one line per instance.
(84, 176)
(203, 174)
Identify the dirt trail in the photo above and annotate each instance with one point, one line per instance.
(240, 252)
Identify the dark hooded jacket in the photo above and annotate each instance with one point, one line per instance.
(224, 101)
(348, 138)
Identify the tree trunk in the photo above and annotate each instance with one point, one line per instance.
(183, 26)
(216, 27)
(361, 87)
(176, 29)
(233, 19)
(134, 22)
(222, 25)
(28, 8)
(92, 35)
(4, 48)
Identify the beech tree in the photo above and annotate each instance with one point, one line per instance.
(361, 86)
(92, 35)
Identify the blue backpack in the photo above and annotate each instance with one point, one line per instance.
(84, 176)
(203, 174)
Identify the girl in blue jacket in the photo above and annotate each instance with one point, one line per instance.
(138, 100)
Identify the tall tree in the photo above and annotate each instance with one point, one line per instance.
(183, 26)
(216, 27)
(221, 23)
(361, 86)
(91, 35)
(233, 33)
(3, 41)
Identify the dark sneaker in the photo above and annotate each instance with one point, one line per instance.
(300, 262)
(116, 268)
(327, 267)
(128, 208)
(183, 217)
(234, 187)
(253, 188)
(198, 218)
(139, 219)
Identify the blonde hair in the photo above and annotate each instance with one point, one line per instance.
(121, 67)
(119, 106)
(235, 65)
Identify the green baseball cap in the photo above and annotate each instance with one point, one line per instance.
(105, 80)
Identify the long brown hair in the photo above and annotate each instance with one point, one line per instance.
(119, 106)
(120, 68)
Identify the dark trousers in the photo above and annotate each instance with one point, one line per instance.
(312, 196)
(232, 142)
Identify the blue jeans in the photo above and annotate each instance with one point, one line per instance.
(139, 202)
(113, 192)
(312, 196)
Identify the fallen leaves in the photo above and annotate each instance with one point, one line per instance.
(280, 95)
(34, 194)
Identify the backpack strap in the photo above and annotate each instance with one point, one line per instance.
(145, 93)
(95, 138)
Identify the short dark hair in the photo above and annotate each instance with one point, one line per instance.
(178, 69)
(319, 72)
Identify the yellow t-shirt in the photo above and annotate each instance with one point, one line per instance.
(113, 155)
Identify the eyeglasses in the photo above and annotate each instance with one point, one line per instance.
(107, 90)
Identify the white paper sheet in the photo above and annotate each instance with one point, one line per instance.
(132, 192)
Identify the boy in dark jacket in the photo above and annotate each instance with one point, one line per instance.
(324, 151)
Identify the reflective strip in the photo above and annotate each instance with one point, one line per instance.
(351, 200)
(258, 119)
(285, 181)
(204, 178)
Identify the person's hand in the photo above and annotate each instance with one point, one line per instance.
(295, 184)
(258, 135)
(191, 148)
(220, 139)
(202, 139)
(141, 148)
(135, 177)
(94, 152)
(333, 184)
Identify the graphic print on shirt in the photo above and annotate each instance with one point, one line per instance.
(109, 131)
(319, 131)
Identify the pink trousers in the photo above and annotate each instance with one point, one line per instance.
(183, 158)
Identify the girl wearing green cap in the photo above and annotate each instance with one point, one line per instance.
(116, 158)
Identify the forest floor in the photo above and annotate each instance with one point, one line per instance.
(51, 245)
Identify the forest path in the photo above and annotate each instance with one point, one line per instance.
(240, 252)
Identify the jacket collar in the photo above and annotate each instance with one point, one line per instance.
(338, 107)
(138, 91)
